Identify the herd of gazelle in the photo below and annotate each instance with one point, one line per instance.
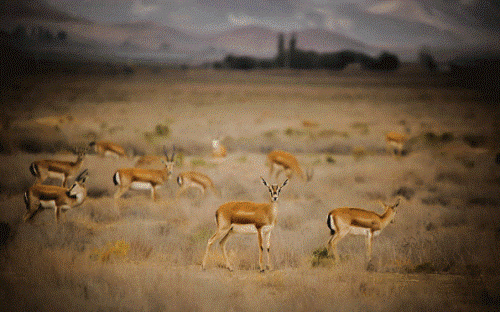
(231, 217)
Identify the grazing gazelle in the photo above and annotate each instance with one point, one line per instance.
(59, 198)
(106, 148)
(144, 179)
(195, 179)
(218, 150)
(58, 169)
(395, 142)
(246, 218)
(285, 161)
(343, 221)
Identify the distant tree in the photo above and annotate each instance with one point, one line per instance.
(266, 64)
(62, 35)
(293, 51)
(281, 57)
(240, 62)
(388, 62)
(304, 60)
(385, 62)
(337, 61)
(427, 61)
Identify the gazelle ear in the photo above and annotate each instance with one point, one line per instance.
(264, 181)
(397, 202)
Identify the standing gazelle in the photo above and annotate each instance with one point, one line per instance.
(58, 169)
(343, 221)
(195, 179)
(144, 179)
(246, 218)
(285, 161)
(51, 196)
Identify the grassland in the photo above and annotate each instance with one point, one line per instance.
(442, 252)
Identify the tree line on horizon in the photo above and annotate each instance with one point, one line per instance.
(296, 58)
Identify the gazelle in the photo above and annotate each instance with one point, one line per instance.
(144, 179)
(395, 142)
(246, 218)
(218, 150)
(58, 169)
(286, 162)
(149, 161)
(106, 148)
(59, 198)
(195, 179)
(343, 221)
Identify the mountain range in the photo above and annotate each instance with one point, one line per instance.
(400, 26)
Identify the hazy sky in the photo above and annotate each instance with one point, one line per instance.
(215, 15)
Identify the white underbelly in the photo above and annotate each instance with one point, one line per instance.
(249, 228)
(141, 186)
(111, 154)
(56, 175)
(48, 204)
(355, 230)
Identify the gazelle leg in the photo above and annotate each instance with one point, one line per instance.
(369, 241)
(218, 234)
(332, 243)
(222, 244)
(120, 192)
(268, 246)
(153, 193)
(261, 249)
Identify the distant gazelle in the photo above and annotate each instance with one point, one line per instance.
(218, 150)
(246, 218)
(150, 161)
(284, 161)
(58, 169)
(107, 148)
(395, 142)
(343, 221)
(144, 179)
(195, 179)
(59, 198)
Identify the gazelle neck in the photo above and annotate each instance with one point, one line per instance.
(387, 216)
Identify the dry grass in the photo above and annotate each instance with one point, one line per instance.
(441, 253)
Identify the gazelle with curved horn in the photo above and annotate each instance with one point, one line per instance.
(195, 179)
(107, 148)
(58, 169)
(144, 179)
(343, 221)
(59, 198)
(284, 161)
(246, 218)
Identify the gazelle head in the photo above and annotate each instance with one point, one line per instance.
(78, 186)
(392, 208)
(169, 161)
(274, 189)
